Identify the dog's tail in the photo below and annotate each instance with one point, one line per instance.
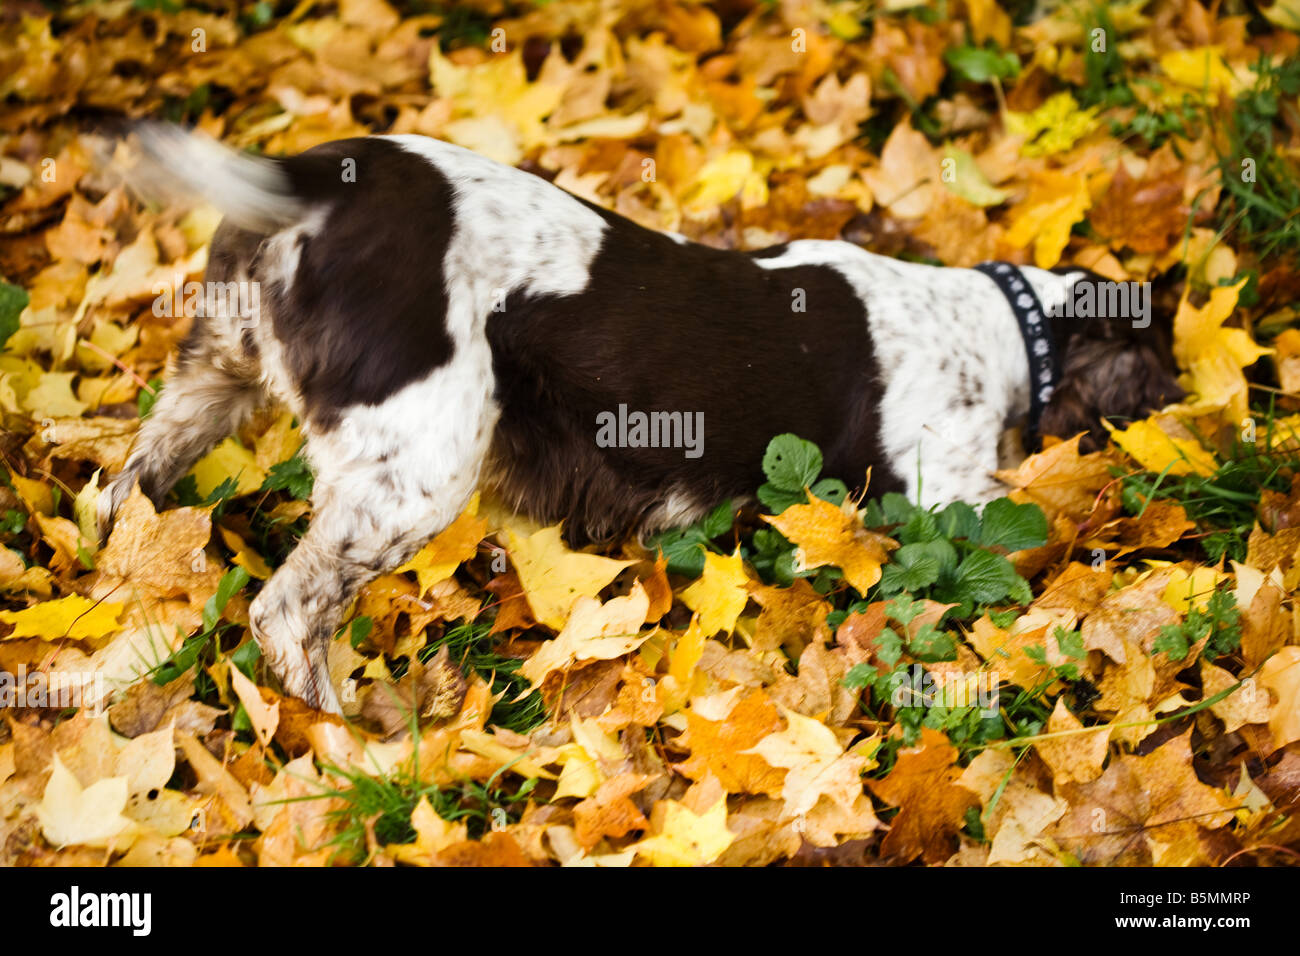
(254, 192)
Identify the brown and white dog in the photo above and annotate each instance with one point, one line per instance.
(438, 321)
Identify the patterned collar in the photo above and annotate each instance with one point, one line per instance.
(1040, 345)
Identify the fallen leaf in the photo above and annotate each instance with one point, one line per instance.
(433, 834)
(932, 805)
(1116, 819)
(91, 816)
(553, 577)
(1156, 450)
(594, 631)
(72, 617)
(816, 764)
(264, 716)
(1045, 217)
(1078, 757)
(1245, 705)
(609, 813)
(1281, 675)
(722, 746)
(826, 535)
(687, 839)
(1213, 355)
(720, 593)
(453, 546)
(1146, 214)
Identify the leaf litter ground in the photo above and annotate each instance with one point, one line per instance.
(1100, 669)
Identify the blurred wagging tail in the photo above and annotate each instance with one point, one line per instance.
(438, 321)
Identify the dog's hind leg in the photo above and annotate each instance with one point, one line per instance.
(199, 405)
(213, 388)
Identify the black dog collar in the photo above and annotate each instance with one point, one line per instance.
(1040, 346)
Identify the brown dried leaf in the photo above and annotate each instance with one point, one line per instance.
(923, 784)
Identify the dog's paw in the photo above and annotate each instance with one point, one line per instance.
(277, 621)
(320, 692)
(309, 681)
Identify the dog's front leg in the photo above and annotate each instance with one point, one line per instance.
(296, 613)
(351, 541)
(371, 514)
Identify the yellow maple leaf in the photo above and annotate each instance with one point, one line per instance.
(1157, 451)
(228, 460)
(279, 442)
(39, 330)
(1054, 127)
(553, 577)
(244, 556)
(594, 631)
(74, 617)
(588, 762)
(687, 839)
(1055, 203)
(433, 834)
(675, 688)
(815, 762)
(967, 180)
(1059, 479)
(107, 337)
(724, 177)
(454, 545)
(1202, 69)
(1186, 591)
(35, 494)
(720, 593)
(499, 112)
(580, 775)
(825, 534)
(52, 397)
(1214, 356)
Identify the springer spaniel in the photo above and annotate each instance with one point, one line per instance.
(437, 320)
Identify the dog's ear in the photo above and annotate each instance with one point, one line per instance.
(1125, 376)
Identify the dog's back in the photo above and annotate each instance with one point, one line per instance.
(384, 262)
